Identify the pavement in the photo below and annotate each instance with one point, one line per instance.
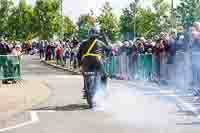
(52, 64)
(21, 96)
(127, 107)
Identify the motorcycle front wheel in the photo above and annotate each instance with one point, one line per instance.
(90, 90)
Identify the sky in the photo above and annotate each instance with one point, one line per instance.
(74, 8)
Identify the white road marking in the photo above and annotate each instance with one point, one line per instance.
(188, 106)
(34, 116)
(34, 119)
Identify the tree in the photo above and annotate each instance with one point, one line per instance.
(5, 11)
(162, 20)
(189, 12)
(85, 22)
(21, 22)
(145, 22)
(69, 27)
(109, 23)
(148, 21)
(24, 22)
(128, 19)
(46, 18)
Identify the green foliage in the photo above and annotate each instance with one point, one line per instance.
(69, 27)
(43, 20)
(85, 22)
(145, 21)
(126, 20)
(109, 23)
(189, 12)
(161, 22)
(149, 21)
(5, 11)
(24, 22)
(47, 17)
(20, 22)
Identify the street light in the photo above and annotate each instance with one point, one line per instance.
(136, 3)
(62, 20)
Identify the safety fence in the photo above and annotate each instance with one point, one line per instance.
(181, 70)
(10, 67)
(130, 67)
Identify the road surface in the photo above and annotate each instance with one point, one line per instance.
(127, 108)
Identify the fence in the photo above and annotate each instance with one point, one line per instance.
(181, 70)
(130, 67)
(10, 67)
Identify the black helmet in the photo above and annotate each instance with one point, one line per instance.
(94, 32)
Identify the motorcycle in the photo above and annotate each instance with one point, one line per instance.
(92, 81)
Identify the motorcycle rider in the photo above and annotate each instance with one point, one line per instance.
(90, 55)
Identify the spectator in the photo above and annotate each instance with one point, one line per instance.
(16, 52)
(160, 58)
(74, 54)
(53, 47)
(29, 47)
(148, 47)
(171, 56)
(58, 54)
(180, 44)
(41, 49)
(4, 50)
(172, 47)
(141, 48)
(66, 55)
(48, 52)
(195, 54)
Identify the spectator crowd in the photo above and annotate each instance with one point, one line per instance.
(161, 58)
(63, 52)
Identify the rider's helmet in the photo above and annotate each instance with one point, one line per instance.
(94, 32)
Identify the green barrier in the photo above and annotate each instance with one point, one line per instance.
(113, 66)
(10, 67)
(143, 66)
(110, 66)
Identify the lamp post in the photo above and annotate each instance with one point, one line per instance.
(136, 4)
(62, 20)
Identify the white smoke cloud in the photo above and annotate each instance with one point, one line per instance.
(129, 107)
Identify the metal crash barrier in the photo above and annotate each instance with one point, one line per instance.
(181, 70)
(130, 67)
(10, 67)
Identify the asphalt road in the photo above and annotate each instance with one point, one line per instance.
(126, 110)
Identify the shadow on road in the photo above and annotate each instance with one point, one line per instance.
(71, 107)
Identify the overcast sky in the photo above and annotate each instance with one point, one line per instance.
(74, 8)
